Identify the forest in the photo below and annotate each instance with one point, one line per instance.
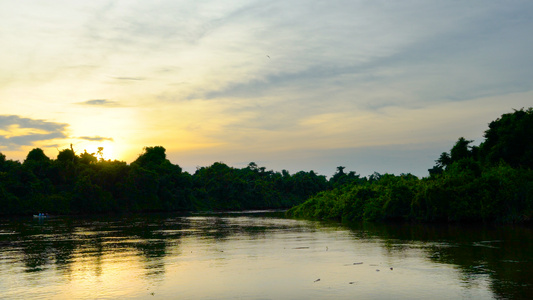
(489, 183)
(85, 184)
(492, 182)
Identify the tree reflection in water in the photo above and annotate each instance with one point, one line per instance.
(503, 253)
(84, 245)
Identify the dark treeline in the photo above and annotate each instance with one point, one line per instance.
(81, 184)
(492, 182)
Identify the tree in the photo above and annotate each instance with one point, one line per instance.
(88, 158)
(341, 178)
(444, 160)
(510, 139)
(67, 156)
(252, 166)
(460, 150)
(37, 163)
(151, 156)
(36, 155)
(100, 152)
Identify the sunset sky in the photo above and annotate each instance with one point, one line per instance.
(380, 86)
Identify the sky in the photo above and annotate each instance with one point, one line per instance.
(374, 86)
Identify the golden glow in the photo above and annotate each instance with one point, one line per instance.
(248, 85)
(16, 130)
(107, 152)
(106, 273)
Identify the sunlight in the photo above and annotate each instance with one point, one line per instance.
(107, 152)
(16, 130)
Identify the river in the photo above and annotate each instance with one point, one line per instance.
(259, 255)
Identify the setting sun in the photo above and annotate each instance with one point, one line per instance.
(106, 153)
(374, 90)
(207, 149)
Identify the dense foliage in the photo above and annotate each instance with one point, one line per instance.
(492, 182)
(79, 184)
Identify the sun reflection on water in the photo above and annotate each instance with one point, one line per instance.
(218, 256)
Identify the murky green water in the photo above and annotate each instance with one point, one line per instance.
(259, 256)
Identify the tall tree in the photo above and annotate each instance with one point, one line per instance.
(510, 138)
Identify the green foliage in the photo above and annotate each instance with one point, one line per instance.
(460, 150)
(510, 139)
(221, 187)
(340, 178)
(88, 197)
(496, 194)
(489, 183)
(87, 158)
(492, 182)
(152, 157)
(67, 156)
(36, 155)
(81, 184)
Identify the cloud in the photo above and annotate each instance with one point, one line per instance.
(453, 55)
(99, 102)
(95, 138)
(16, 131)
(130, 78)
(339, 74)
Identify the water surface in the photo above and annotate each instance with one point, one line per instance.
(259, 256)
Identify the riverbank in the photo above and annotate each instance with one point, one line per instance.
(495, 194)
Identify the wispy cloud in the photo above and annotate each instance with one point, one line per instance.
(95, 138)
(99, 102)
(255, 74)
(130, 78)
(16, 131)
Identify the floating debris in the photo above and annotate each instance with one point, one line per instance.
(358, 263)
(301, 248)
(317, 280)
(391, 268)
(352, 282)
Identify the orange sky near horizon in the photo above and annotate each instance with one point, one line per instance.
(288, 85)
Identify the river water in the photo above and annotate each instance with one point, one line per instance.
(259, 255)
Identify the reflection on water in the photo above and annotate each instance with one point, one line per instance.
(259, 256)
(501, 255)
